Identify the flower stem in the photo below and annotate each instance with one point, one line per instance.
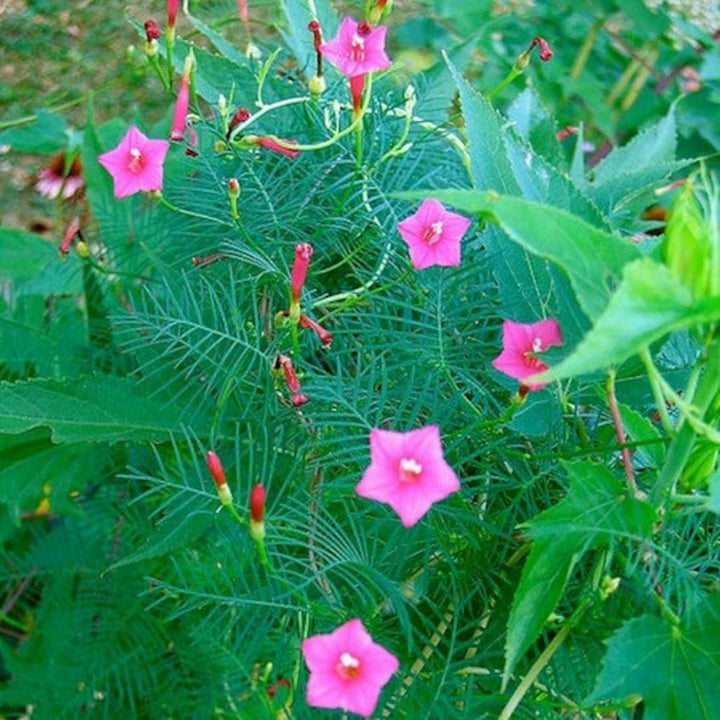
(174, 208)
(620, 433)
(684, 441)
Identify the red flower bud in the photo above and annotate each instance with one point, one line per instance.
(545, 52)
(72, 231)
(172, 11)
(152, 30)
(303, 253)
(241, 115)
(216, 469)
(270, 144)
(257, 503)
(324, 336)
(284, 363)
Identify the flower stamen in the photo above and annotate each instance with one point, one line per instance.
(357, 48)
(410, 470)
(136, 164)
(433, 233)
(348, 666)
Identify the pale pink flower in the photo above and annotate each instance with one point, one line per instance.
(408, 472)
(357, 49)
(347, 669)
(52, 180)
(136, 163)
(521, 344)
(433, 235)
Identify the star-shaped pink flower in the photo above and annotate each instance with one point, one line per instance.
(433, 235)
(357, 49)
(347, 669)
(136, 163)
(408, 472)
(521, 344)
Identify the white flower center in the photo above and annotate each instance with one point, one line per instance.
(433, 232)
(410, 470)
(537, 345)
(357, 48)
(348, 666)
(136, 160)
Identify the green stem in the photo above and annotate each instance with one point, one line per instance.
(656, 387)
(264, 110)
(507, 80)
(620, 432)
(585, 50)
(679, 451)
(166, 203)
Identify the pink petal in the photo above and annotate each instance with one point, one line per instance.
(517, 337)
(375, 57)
(549, 332)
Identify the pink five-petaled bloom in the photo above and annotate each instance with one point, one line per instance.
(347, 669)
(521, 343)
(433, 235)
(136, 163)
(357, 49)
(408, 472)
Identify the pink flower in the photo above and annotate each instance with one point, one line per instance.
(347, 669)
(521, 344)
(408, 472)
(357, 49)
(433, 235)
(136, 163)
(53, 180)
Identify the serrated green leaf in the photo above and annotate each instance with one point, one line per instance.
(640, 429)
(94, 409)
(649, 303)
(489, 164)
(673, 667)
(224, 46)
(596, 512)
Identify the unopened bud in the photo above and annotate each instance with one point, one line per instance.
(218, 475)
(222, 104)
(233, 195)
(317, 85)
(608, 586)
(152, 30)
(82, 249)
(257, 503)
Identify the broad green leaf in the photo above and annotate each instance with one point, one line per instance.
(649, 303)
(32, 469)
(596, 512)
(673, 667)
(93, 409)
(592, 258)
(46, 134)
(21, 344)
(224, 46)
(489, 164)
(639, 429)
(35, 265)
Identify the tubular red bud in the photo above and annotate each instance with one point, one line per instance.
(177, 131)
(216, 469)
(152, 30)
(270, 144)
(303, 253)
(257, 503)
(72, 231)
(545, 52)
(324, 336)
(357, 84)
(299, 399)
(172, 11)
(284, 363)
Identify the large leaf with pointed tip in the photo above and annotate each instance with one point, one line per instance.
(102, 408)
(595, 513)
(673, 667)
(649, 303)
